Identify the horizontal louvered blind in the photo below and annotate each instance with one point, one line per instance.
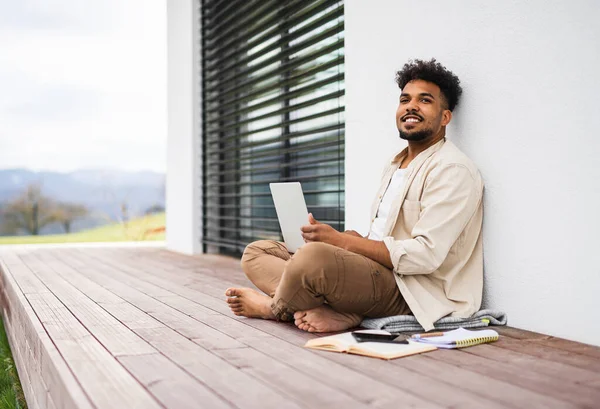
(273, 111)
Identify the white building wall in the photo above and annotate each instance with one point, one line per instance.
(528, 118)
(183, 202)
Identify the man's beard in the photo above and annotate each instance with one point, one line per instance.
(416, 136)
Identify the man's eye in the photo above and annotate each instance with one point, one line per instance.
(427, 101)
(403, 101)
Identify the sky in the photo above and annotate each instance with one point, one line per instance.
(83, 84)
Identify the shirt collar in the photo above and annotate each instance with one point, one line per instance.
(400, 157)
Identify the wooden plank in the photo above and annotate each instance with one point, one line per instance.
(187, 326)
(37, 383)
(334, 375)
(64, 389)
(421, 384)
(151, 285)
(285, 331)
(217, 321)
(131, 316)
(50, 403)
(594, 383)
(517, 333)
(518, 360)
(197, 298)
(180, 281)
(548, 353)
(422, 376)
(193, 288)
(227, 380)
(172, 386)
(204, 265)
(352, 382)
(500, 391)
(548, 385)
(590, 351)
(233, 266)
(175, 274)
(107, 383)
(368, 380)
(84, 263)
(116, 338)
(294, 384)
(24, 325)
(24, 371)
(222, 306)
(241, 389)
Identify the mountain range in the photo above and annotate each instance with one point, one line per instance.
(103, 192)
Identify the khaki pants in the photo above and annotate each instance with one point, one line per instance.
(320, 273)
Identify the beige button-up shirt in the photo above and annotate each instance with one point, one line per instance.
(433, 233)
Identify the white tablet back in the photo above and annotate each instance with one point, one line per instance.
(291, 212)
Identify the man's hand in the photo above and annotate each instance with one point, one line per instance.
(316, 231)
(348, 240)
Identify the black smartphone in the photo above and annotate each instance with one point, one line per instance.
(369, 337)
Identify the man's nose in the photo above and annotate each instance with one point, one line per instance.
(412, 106)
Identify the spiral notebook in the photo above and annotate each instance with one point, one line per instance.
(460, 338)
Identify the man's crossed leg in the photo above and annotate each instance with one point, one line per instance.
(321, 287)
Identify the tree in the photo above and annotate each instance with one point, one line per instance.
(67, 213)
(29, 212)
(155, 208)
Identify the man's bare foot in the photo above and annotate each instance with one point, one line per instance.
(325, 319)
(249, 303)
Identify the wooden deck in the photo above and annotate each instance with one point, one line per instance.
(146, 328)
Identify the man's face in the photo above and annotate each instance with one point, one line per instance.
(421, 113)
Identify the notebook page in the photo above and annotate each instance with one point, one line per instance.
(460, 335)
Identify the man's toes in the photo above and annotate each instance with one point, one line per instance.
(233, 300)
(298, 315)
(233, 292)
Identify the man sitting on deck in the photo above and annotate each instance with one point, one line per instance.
(423, 254)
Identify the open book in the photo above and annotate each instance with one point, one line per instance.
(346, 343)
(460, 338)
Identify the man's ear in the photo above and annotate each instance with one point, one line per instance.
(446, 117)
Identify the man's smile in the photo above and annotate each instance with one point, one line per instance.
(411, 118)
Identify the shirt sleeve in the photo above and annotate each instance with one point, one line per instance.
(450, 198)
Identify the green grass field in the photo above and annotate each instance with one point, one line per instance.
(11, 394)
(135, 230)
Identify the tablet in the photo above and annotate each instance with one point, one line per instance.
(291, 212)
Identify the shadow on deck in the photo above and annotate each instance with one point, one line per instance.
(147, 328)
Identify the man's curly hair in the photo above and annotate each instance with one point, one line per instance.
(432, 71)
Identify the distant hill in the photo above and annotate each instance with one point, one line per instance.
(102, 191)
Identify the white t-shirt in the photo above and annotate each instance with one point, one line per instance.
(393, 190)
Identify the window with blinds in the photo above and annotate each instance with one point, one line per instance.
(273, 111)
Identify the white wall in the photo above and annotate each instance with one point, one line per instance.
(183, 203)
(528, 118)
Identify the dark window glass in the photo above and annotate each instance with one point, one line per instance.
(273, 111)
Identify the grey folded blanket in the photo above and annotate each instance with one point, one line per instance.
(408, 323)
